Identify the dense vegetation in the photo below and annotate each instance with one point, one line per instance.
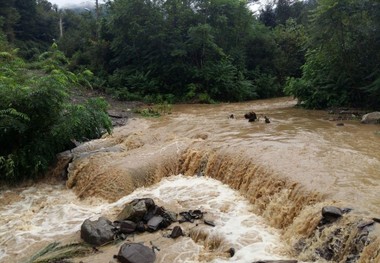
(323, 52)
(36, 119)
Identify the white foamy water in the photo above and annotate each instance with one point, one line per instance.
(50, 211)
(43, 213)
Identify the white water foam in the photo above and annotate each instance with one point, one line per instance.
(49, 211)
(234, 221)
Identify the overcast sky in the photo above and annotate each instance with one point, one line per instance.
(63, 3)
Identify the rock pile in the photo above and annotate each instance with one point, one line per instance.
(140, 215)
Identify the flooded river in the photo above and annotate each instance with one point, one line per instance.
(263, 184)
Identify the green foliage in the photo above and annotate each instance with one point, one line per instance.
(181, 49)
(30, 25)
(342, 64)
(266, 84)
(148, 112)
(54, 252)
(36, 119)
(223, 80)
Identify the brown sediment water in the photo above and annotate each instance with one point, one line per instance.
(286, 171)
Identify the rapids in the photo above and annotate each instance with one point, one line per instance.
(263, 184)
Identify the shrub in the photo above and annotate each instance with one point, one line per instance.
(36, 119)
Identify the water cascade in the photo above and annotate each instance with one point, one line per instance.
(263, 184)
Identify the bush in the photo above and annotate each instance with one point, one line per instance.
(36, 119)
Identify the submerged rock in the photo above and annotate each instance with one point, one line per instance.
(136, 253)
(97, 232)
(231, 251)
(331, 213)
(366, 223)
(190, 216)
(266, 119)
(208, 222)
(251, 116)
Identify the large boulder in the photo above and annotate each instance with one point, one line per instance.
(97, 232)
(372, 117)
(135, 253)
(134, 211)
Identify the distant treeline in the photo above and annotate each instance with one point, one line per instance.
(325, 53)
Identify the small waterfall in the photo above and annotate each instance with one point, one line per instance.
(283, 174)
(284, 204)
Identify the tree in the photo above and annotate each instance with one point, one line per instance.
(342, 63)
(10, 16)
(36, 119)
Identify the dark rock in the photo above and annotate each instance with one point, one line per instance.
(196, 214)
(149, 203)
(208, 222)
(63, 161)
(176, 232)
(186, 217)
(155, 223)
(121, 236)
(125, 213)
(133, 211)
(168, 219)
(251, 116)
(266, 119)
(153, 211)
(140, 227)
(366, 223)
(189, 216)
(340, 124)
(231, 251)
(276, 261)
(136, 253)
(97, 232)
(346, 210)
(171, 216)
(331, 213)
(139, 211)
(232, 116)
(377, 220)
(127, 227)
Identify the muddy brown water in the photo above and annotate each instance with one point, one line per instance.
(280, 174)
